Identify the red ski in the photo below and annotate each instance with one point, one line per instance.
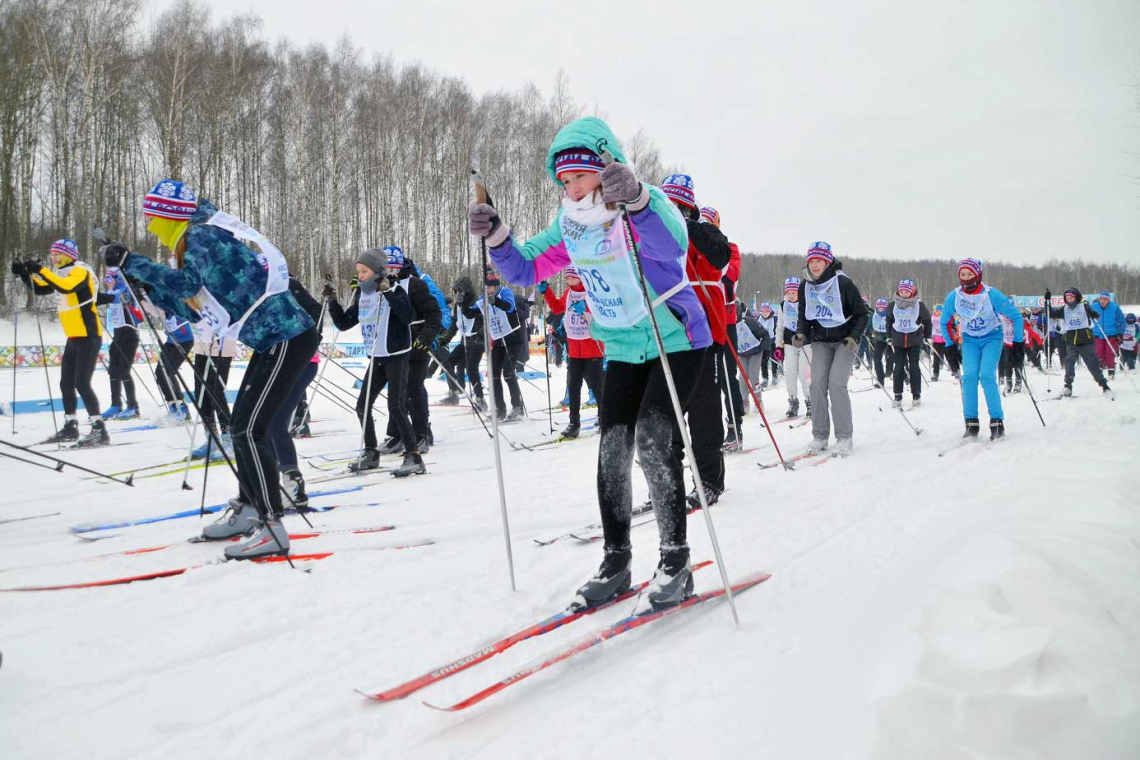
(622, 626)
(554, 621)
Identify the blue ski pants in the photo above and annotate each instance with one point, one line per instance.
(980, 357)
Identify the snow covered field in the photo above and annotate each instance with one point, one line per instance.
(982, 604)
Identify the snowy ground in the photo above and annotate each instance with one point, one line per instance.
(977, 605)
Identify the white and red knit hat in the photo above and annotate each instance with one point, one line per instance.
(820, 251)
(679, 188)
(974, 265)
(907, 289)
(577, 160)
(170, 199)
(66, 247)
(710, 215)
(792, 285)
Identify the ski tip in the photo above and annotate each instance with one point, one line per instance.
(440, 709)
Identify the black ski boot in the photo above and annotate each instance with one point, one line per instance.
(612, 580)
(66, 434)
(423, 445)
(369, 459)
(451, 399)
(1068, 390)
(793, 408)
(481, 403)
(672, 582)
(711, 497)
(413, 465)
(294, 485)
(97, 437)
(1017, 385)
(732, 439)
(390, 446)
(301, 431)
(571, 430)
(997, 429)
(973, 427)
(517, 413)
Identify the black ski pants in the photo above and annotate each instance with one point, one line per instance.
(212, 402)
(76, 369)
(907, 362)
(392, 372)
(706, 424)
(578, 370)
(124, 346)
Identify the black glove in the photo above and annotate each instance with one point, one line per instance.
(1017, 355)
(19, 269)
(328, 292)
(32, 266)
(419, 344)
(113, 254)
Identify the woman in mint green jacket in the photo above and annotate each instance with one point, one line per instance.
(636, 408)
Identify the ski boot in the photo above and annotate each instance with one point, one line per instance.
(565, 399)
(66, 434)
(612, 580)
(423, 445)
(390, 446)
(517, 413)
(818, 446)
(1112, 374)
(177, 412)
(239, 519)
(997, 429)
(897, 403)
(916, 402)
(672, 583)
(97, 437)
(973, 426)
(1068, 390)
(843, 447)
(1107, 392)
(413, 465)
(481, 403)
(130, 413)
(300, 431)
(369, 459)
(270, 540)
(711, 497)
(294, 484)
(732, 440)
(590, 400)
(793, 408)
(764, 384)
(1008, 387)
(451, 399)
(571, 430)
(1017, 385)
(807, 407)
(112, 411)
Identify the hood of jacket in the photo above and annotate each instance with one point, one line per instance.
(583, 133)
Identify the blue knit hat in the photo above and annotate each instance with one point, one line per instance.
(821, 251)
(66, 247)
(1105, 294)
(170, 199)
(395, 256)
(679, 187)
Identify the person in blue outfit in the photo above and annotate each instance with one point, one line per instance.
(977, 307)
(1110, 326)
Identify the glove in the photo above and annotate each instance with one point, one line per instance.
(1048, 299)
(850, 344)
(483, 219)
(778, 354)
(354, 283)
(419, 344)
(619, 184)
(542, 287)
(328, 292)
(19, 269)
(1017, 355)
(113, 254)
(798, 340)
(32, 266)
(578, 307)
(382, 284)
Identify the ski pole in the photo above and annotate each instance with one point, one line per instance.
(546, 358)
(1025, 381)
(43, 358)
(58, 467)
(190, 454)
(678, 413)
(321, 374)
(65, 463)
(15, 361)
(917, 431)
(482, 196)
(366, 414)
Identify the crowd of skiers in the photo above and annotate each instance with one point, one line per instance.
(613, 318)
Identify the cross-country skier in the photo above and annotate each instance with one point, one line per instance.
(768, 318)
(498, 305)
(1078, 332)
(384, 312)
(796, 360)
(123, 318)
(79, 318)
(586, 354)
(635, 406)
(832, 318)
(752, 341)
(884, 353)
(470, 319)
(242, 294)
(212, 360)
(908, 323)
(729, 386)
(1109, 328)
(1129, 341)
(937, 343)
(978, 305)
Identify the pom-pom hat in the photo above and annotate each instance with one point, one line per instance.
(820, 251)
(907, 289)
(395, 257)
(170, 199)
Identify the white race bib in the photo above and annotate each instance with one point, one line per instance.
(577, 325)
(824, 302)
(1076, 318)
(976, 312)
(745, 340)
(791, 316)
(906, 317)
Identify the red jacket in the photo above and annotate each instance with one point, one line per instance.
(578, 348)
(730, 279)
(1032, 337)
(701, 272)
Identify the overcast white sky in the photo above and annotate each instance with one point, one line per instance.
(1006, 129)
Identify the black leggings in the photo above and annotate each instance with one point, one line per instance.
(503, 356)
(390, 371)
(416, 395)
(729, 385)
(706, 425)
(578, 370)
(269, 378)
(213, 402)
(473, 354)
(906, 362)
(124, 346)
(452, 363)
(635, 408)
(884, 353)
(79, 357)
(171, 358)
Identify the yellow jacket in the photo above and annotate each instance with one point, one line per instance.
(78, 311)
